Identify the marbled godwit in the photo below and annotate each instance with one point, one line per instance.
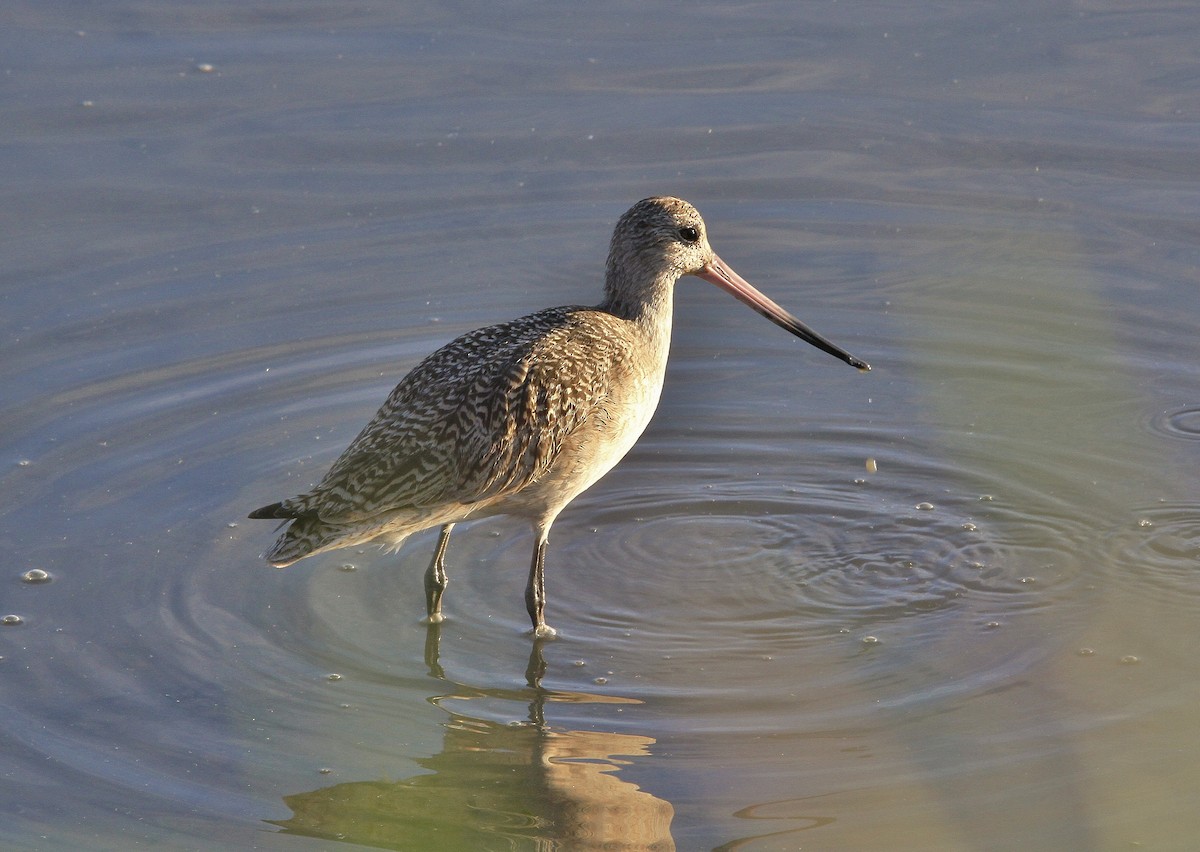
(519, 418)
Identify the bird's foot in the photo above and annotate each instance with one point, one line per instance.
(543, 631)
(433, 618)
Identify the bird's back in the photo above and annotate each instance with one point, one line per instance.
(479, 419)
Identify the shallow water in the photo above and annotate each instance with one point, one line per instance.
(229, 230)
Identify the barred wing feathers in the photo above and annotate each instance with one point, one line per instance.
(484, 416)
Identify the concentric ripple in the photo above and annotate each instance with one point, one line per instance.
(1181, 423)
(762, 558)
(1159, 550)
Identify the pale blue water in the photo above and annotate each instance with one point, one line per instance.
(227, 231)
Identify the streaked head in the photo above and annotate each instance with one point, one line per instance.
(660, 239)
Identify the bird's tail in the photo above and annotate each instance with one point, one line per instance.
(275, 510)
(305, 535)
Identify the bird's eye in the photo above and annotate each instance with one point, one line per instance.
(689, 234)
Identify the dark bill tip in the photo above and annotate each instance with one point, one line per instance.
(719, 273)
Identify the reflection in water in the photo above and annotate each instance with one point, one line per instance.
(794, 810)
(496, 785)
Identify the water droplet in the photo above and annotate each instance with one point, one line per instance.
(924, 507)
(35, 575)
(11, 620)
(872, 466)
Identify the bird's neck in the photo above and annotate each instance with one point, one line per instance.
(647, 304)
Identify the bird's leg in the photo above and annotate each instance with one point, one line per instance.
(535, 592)
(435, 578)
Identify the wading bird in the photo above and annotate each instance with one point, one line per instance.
(519, 418)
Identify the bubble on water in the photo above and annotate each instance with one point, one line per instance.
(872, 466)
(23, 463)
(925, 507)
(600, 681)
(35, 576)
(870, 640)
(325, 770)
(1145, 522)
(1029, 579)
(347, 567)
(581, 663)
(969, 527)
(1129, 660)
(1086, 652)
(333, 676)
(12, 620)
(992, 625)
(986, 498)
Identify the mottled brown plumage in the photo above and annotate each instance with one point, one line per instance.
(519, 418)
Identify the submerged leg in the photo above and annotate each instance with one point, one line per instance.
(435, 578)
(535, 592)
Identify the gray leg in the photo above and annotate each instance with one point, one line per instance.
(535, 592)
(435, 578)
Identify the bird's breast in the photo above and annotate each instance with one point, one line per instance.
(598, 442)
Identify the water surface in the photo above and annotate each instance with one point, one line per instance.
(229, 230)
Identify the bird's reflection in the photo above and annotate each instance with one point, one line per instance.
(520, 785)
